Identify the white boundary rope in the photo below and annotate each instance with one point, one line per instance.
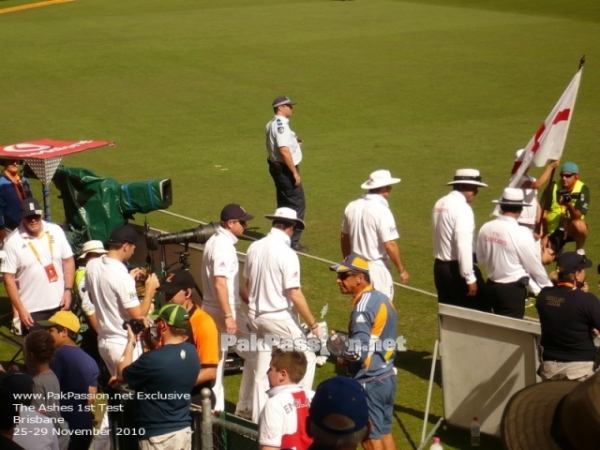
(316, 258)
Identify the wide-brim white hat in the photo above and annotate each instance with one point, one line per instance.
(380, 178)
(96, 247)
(288, 215)
(467, 176)
(512, 196)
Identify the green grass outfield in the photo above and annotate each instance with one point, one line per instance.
(421, 88)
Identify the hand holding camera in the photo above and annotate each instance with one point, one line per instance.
(564, 196)
(135, 327)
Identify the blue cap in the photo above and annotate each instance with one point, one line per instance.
(340, 396)
(569, 167)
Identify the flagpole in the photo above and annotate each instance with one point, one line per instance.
(546, 199)
(545, 202)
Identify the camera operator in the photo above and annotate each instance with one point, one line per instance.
(112, 290)
(565, 219)
(570, 319)
(162, 380)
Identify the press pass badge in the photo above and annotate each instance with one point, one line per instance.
(51, 273)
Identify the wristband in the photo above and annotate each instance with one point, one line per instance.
(402, 271)
(314, 326)
(132, 343)
(69, 289)
(227, 316)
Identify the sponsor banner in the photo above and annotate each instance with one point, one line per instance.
(47, 148)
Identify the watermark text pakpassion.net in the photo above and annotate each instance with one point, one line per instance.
(312, 344)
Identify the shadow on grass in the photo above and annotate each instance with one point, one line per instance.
(252, 233)
(418, 363)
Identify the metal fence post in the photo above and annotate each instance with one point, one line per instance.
(207, 438)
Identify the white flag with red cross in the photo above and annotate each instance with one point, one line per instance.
(549, 140)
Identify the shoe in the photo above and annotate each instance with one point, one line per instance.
(15, 327)
(299, 248)
(529, 302)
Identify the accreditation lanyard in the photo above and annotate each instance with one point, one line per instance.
(37, 255)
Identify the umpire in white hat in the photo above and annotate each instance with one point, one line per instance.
(457, 279)
(369, 229)
(511, 257)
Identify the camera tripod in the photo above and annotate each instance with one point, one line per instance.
(184, 262)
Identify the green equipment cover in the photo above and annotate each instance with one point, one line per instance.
(95, 205)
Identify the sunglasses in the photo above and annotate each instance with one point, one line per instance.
(30, 218)
(342, 276)
(566, 175)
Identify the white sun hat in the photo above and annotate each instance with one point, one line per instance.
(287, 214)
(467, 176)
(512, 196)
(379, 178)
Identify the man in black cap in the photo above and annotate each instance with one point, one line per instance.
(223, 295)
(570, 319)
(178, 288)
(39, 268)
(112, 290)
(285, 154)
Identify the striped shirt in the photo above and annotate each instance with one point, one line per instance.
(372, 333)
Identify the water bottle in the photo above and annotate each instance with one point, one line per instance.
(436, 444)
(475, 432)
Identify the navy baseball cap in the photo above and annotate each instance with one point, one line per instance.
(234, 211)
(31, 207)
(177, 280)
(339, 396)
(571, 262)
(124, 234)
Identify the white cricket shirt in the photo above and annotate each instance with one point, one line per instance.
(509, 252)
(112, 290)
(453, 226)
(220, 260)
(272, 268)
(369, 223)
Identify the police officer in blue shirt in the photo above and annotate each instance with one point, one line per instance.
(285, 154)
